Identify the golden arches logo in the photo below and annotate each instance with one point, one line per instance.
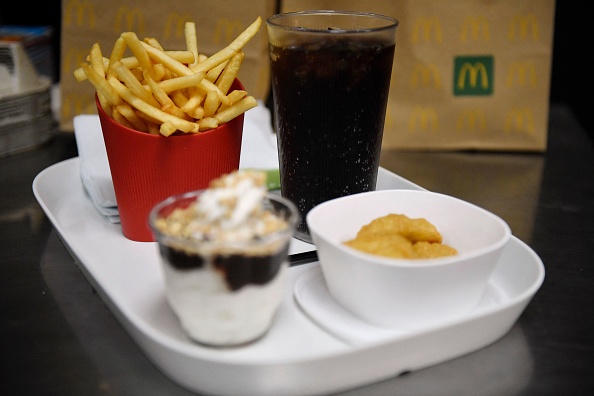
(424, 74)
(522, 73)
(263, 81)
(474, 70)
(174, 26)
(473, 26)
(424, 26)
(521, 25)
(226, 30)
(74, 104)
(389, 118)
(73, 58)
(471, 120)
(129, 19)
(519, 120)
(423, 118)
(84, 10)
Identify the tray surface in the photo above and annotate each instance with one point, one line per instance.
(300, 348)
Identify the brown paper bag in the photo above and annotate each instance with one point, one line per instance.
(217, 23)
(468, 74)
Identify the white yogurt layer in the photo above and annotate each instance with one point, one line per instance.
(211, 314)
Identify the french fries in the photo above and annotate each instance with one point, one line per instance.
(169, 91)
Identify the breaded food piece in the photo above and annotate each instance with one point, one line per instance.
(384, 244)
(433, 250)
(412, 229)
(398, 236)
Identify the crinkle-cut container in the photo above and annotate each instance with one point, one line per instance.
(146, 168)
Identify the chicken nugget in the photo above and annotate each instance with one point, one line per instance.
(383, 244)
(412, 229)
(427, 250)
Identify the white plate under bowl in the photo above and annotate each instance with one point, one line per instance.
(315, 299)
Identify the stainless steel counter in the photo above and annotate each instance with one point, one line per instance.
(59, 338)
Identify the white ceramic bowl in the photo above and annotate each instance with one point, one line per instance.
(404, 293)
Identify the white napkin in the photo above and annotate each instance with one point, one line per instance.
(94, 167)
(258, 145)
(258, 151)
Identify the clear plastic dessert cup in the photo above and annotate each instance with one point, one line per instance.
(225, 293)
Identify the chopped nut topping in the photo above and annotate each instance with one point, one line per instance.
(231, 209)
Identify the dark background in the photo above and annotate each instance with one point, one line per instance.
(570, 84)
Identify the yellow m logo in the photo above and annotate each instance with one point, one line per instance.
(424, 118)
(129, 19)
(471, 120)
(226, 30)
(424, 26)
(74, 104)
(473, 26)
(519, 120)
(84, 11)
(72, 58)
(524, 73)
(174, 27)
(423, 75)
(474, 70)
(522, 25)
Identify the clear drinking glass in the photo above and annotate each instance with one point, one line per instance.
(331, 75)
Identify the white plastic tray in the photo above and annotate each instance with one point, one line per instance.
(302, 354)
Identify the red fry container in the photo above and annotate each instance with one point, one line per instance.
(146, 169)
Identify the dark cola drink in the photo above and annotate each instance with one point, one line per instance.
(330, 102)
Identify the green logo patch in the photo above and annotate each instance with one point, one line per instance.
(473, 75)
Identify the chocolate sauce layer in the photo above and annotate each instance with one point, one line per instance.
(238, 270)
